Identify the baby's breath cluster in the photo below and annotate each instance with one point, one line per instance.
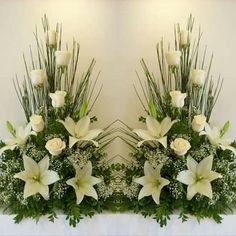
(104, 190)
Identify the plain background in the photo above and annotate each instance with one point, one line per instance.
(117, 33)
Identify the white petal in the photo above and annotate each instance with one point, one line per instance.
(207, 128)
(186, 177)
(3, 149)
(202, 133)
(79, 196)
(33, 133)
(20, 133)
(204, 188)
(213, 175)
(192, 164)
(31, 188)
(27, 130)
(92, 134)
(204, 167)
(166, 125)
(223, 147)
(225, 142)
(72, 141)
(30, 165)
(49, 177)
(139, 144)
(44, 191)
(10, 142)
(72, 182)
(163, 182)
(90, 191)
(96, 144)
(93, 180)
(156, 196)
(82, 127)
(146, 190)
(142, 180)
(149, 171)
(153, 126)
(163, 141)
(23, 175)
(191, 191)
(44, 164)
(215, 133)
(144, 134)
(69, 124)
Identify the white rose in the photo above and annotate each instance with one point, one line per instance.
(173, 58)
(198, 77)
(51, 37)
(37, 77)
(184, 37)
(62, 58)
(198, 123)
(177, 98)
(180, 146)
(37, 123)
(58, 98)
(55, 146)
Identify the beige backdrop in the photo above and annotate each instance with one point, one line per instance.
(117, 33)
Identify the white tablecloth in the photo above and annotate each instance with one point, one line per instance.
(117, 225)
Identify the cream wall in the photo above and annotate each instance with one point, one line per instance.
(117, 33)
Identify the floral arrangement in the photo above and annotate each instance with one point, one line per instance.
(180, 162)
(55, 162)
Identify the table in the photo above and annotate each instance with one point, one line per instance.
(117, 225)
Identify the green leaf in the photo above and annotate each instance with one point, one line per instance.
(83, 108)
(225, 129)
(152, 107)
(11, 128)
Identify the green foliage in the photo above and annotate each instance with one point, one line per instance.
(225, 128)
(82, 111)
(11, 128)
(152, 108)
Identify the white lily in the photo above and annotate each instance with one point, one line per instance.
(19, 139)
(215, 137)
(152, 182)
(83, 182)
(198, 177)
(37, 177)
(156, 131)
(80, 131)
